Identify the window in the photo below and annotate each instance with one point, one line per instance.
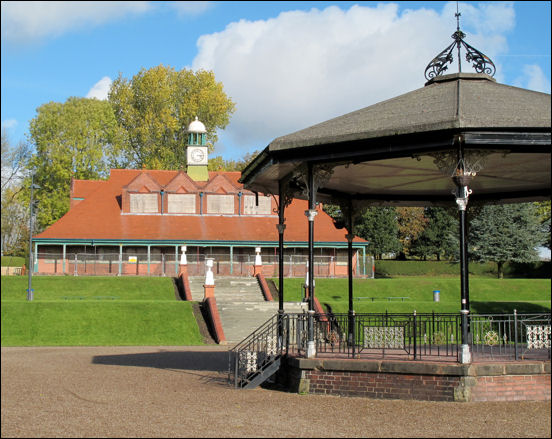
(223, 204)
(264, 207)
(181, 203)
(143, 203)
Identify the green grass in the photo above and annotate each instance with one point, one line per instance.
(12, 261)
(47, 288)
(95, 311)
(486, 295)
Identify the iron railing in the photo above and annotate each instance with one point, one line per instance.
(425, 336)
(167, 264)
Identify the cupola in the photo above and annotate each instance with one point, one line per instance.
(197, 151)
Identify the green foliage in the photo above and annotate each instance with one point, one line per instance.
(155, 108)
(440, 236)
(77, 139)
(219, 164)
(378, 226)
(393, 268)
(509, 232)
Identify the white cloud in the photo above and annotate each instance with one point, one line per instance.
(9, 124)
(191, 8)
(304, 67)
(100, 89)
(533, 78)
(29, 21)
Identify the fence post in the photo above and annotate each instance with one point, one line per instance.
(415, 336)
(515, 335)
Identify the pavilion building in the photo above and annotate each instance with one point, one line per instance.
(141, 222)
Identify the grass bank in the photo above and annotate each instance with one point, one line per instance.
(416, 293)
(95, 311)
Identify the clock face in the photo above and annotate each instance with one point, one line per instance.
(197, 156)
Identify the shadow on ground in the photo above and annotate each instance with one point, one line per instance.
(185, 360)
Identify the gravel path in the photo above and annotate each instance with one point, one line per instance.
(182, 392)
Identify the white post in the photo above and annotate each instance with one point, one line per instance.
(258, 260)
(209, 277)
(183, 260)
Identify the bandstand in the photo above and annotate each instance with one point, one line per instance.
(462, 138)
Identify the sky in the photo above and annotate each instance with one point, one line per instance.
(287, 65)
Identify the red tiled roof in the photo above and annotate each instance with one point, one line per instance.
(99, 217)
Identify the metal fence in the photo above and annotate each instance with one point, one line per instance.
(435, 337)
(166, 264)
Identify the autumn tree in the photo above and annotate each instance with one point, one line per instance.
(77, 139)
(155, 107)
(411, 223)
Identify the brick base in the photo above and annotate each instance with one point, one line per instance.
(417, 380)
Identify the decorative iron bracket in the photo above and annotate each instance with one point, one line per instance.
(480, 62)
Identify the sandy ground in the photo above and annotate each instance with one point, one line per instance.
(183, 392)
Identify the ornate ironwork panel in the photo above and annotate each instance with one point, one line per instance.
(381, 337)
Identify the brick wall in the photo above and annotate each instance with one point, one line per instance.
(512, 388)
(419, 380)
(383, 385)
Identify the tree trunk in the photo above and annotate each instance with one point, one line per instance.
(500, 269)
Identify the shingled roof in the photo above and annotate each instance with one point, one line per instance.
(99, 217)
(385, 153)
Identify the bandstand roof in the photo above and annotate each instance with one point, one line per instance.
(389, 153)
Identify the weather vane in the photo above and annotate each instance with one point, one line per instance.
(481, 62)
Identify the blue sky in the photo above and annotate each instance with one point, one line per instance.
(286, 65)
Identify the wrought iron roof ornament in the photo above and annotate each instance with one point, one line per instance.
(481, 62)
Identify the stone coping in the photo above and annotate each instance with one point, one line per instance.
(421, 367)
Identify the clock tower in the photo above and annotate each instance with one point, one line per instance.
(197, 152)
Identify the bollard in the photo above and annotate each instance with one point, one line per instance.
(436, 294)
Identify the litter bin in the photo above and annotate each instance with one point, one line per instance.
(436, 295)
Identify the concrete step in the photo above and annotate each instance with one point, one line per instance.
(241, 305)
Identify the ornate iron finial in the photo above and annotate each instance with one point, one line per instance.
(481, 62)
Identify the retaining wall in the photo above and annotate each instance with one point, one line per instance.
(430, 381)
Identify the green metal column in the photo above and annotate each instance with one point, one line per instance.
(149, 258)
(35, 269)
(64, 254)
(120, 259)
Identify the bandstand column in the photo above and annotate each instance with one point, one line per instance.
(461, 180)
(311, 213)
(350, 236)
(281, 227)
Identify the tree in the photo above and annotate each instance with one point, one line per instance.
(440, 236)
(411, 223)
(155, 108)
(502, 233)
(76, 139)
(217, 163)
(378, 226)
(14, 209)
(543, 212)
